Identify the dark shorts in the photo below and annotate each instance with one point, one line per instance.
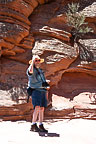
(39, 98)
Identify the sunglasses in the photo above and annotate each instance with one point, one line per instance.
(37, 60)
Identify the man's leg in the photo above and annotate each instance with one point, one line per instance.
(41, 117)
(41, 114)
(35, 114)
(34, 119)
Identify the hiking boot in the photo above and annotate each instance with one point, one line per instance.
(42, 129)
(34, 128)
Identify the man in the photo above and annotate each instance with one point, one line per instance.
(37, 81)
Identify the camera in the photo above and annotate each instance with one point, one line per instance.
(45, 84)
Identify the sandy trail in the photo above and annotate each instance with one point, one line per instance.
(76, 131)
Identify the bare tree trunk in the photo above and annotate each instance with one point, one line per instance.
(84, 53)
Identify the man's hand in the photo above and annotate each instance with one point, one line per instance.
(48, 88)
(48, 81)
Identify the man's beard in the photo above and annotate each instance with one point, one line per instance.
(37, 65)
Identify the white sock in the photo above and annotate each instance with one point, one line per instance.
(40, 123)
(33, 123)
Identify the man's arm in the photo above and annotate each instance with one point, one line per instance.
(30, 69)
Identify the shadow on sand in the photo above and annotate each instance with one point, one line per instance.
(42, 134)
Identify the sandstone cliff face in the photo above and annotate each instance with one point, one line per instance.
(16, 42)
(40, 27)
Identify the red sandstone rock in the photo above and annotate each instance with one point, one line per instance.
(18, 49)
(14, 14)
(8, 52)
(41, 1)
(6, 44)
(19, 6)
(33, 3)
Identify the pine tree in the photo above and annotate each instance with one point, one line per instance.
(79, 28)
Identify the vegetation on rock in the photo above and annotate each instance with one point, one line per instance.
(79, 28)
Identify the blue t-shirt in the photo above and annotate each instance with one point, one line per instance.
(36, 78)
